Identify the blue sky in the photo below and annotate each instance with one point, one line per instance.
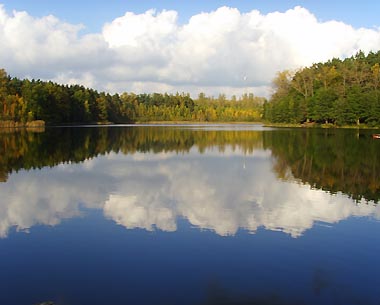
(231, 47)
(94, 13)
(156, 190)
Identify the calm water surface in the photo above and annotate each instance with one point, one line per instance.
(216, 214)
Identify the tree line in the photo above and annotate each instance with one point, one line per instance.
(333, 160)
(339, 92)
(23, 149)
(29, 100)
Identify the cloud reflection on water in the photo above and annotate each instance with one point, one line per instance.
(222, 192)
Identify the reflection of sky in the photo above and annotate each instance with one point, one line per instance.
(222, 192)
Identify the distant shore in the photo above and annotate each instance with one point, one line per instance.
(39, 125)
(315, 125)
(156, 123)
(11, 126)
(194, 122)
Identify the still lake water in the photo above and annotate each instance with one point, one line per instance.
(215, 214)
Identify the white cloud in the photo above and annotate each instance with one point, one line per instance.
(197, 192)
(149, 30)
(221, 192)
(31, 198)
(219, 51)
(126, 211)
(49, 48)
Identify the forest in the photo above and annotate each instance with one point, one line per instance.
(29, 100)
(31, 149)
(337, 92)
(333, 160)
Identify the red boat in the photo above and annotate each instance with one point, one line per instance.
(376, 136)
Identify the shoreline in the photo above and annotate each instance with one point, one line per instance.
(40, 125)
(320, 126)
(12, 126)
(194, 123)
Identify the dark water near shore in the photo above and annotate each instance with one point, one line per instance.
(215, 214)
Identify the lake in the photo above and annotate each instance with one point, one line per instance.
(189, 214)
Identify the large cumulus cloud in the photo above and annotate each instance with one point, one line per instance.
(219, 51)
(153, 191)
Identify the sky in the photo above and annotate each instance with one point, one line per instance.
(231, 47)
(153, 191)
